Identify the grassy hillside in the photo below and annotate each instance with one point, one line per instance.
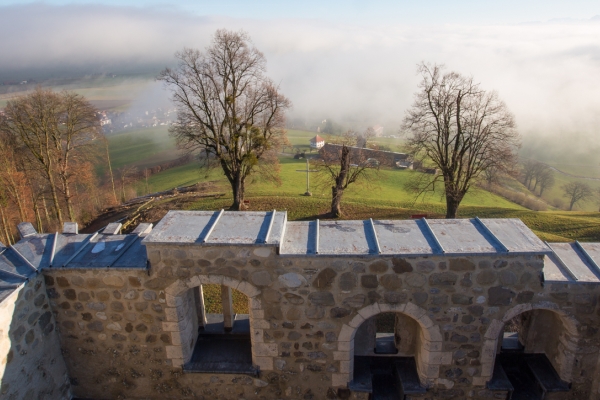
(142, 148)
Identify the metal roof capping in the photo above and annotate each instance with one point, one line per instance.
(339, 238)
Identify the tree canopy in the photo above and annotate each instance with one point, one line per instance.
(461, 129)
(228, 109)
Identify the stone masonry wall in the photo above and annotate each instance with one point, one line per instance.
(31, 364)
(126, 334)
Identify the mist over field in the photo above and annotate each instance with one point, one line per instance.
(547, 72)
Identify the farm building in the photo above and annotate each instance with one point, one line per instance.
(385, 158)
(317, 142)
(429, 309)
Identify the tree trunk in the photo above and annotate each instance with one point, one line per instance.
(571, 205)
(336, 201)
(237, 185)
(112, 178)
(451, 207)
(68, 200)
(5, 227)
(38, 217)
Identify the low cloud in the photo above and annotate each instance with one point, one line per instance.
(547, 73)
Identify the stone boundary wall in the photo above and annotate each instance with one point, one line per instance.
(31, 366)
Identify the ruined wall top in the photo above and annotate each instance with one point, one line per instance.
(565, 262)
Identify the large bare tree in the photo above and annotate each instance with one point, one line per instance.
(227, 108)
(461, 129)
(343, 163)
(577, 192)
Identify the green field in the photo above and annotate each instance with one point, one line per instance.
(142, 148)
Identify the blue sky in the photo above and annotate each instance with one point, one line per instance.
(371, 12)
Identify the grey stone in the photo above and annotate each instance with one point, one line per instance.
(97, 306)
(394, 297)
(321, 298)
(271, 296)
(463, 299)
(96, 326)
(347, 281)
(508, 278)
(292, 280)
(339, 312)
(294, 298)
(261, 278)
(400, 265)
(356, 301)
(369, 281)
(425, 266)
(378, 267)
(414, 279)
(486, 277)
(391, 281)
(324, 279)
(439, 299)
(315, 312)
(499, 296)
(500, 264)
(420, 297)
(443, 279)
(461, 264)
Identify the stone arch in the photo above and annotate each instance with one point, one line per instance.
(183, 331)
(429, 356)
(496, 327)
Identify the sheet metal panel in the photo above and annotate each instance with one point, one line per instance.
(346, 237)
(404, 237)
(15, 269)
(102, 251)
(240, 227)
(554, 272)
(134, 257)
(515, 235)
(37, 249)
(576, 262)
(299, 238)
(461, 236)
(66, 246)
(182, 227)
(593, 250)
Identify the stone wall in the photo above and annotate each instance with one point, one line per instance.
(31, 365)
(304, 314)
(127, 333)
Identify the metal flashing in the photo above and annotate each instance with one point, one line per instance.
(433, 235)
(212, 227)
(271, 220)
(378, 247)
(491, 234)
(25, 260)
(316, 236)
(88, 240)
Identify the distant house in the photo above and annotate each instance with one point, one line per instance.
(317, 142)
(378, 130)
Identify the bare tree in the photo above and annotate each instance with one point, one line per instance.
(227, 107)
(461, 129)
(342, 163)
(54, 131)
(545, 179)
(576, 192)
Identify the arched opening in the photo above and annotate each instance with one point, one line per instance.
(223, 325)
(534, 353)
(211, 330)
(388, 354)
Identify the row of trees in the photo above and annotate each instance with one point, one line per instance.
(50, 145)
